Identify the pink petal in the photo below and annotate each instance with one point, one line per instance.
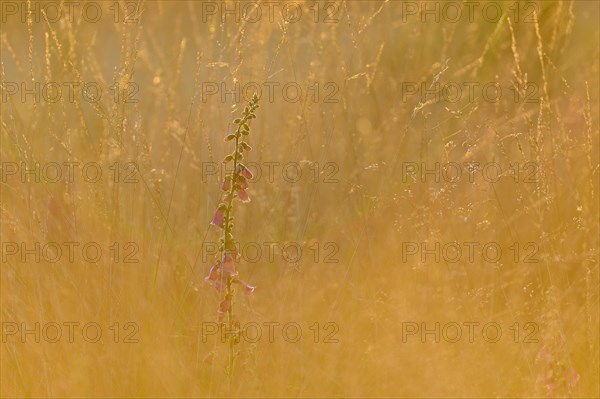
(228, 264)
(226, 184)
(243, 195)
(248, 289)
(213, 274)
(217, 278)
(219, 218)
(234, 256)
(247, 173)
(243, 183)
(221, 284)
(224, 307)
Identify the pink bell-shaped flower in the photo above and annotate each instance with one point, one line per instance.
(219, 217)
(242, 182)
(248, 289)
(226, 184)
(243, 195)
(228, 265)
(247, 173)
(213, 274)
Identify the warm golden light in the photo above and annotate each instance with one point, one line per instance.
(412, 212)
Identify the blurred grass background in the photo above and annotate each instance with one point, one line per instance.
(367, 53)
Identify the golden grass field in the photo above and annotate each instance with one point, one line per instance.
(425, 208)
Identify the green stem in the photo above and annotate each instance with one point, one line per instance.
(228, 243)
(228, 212)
